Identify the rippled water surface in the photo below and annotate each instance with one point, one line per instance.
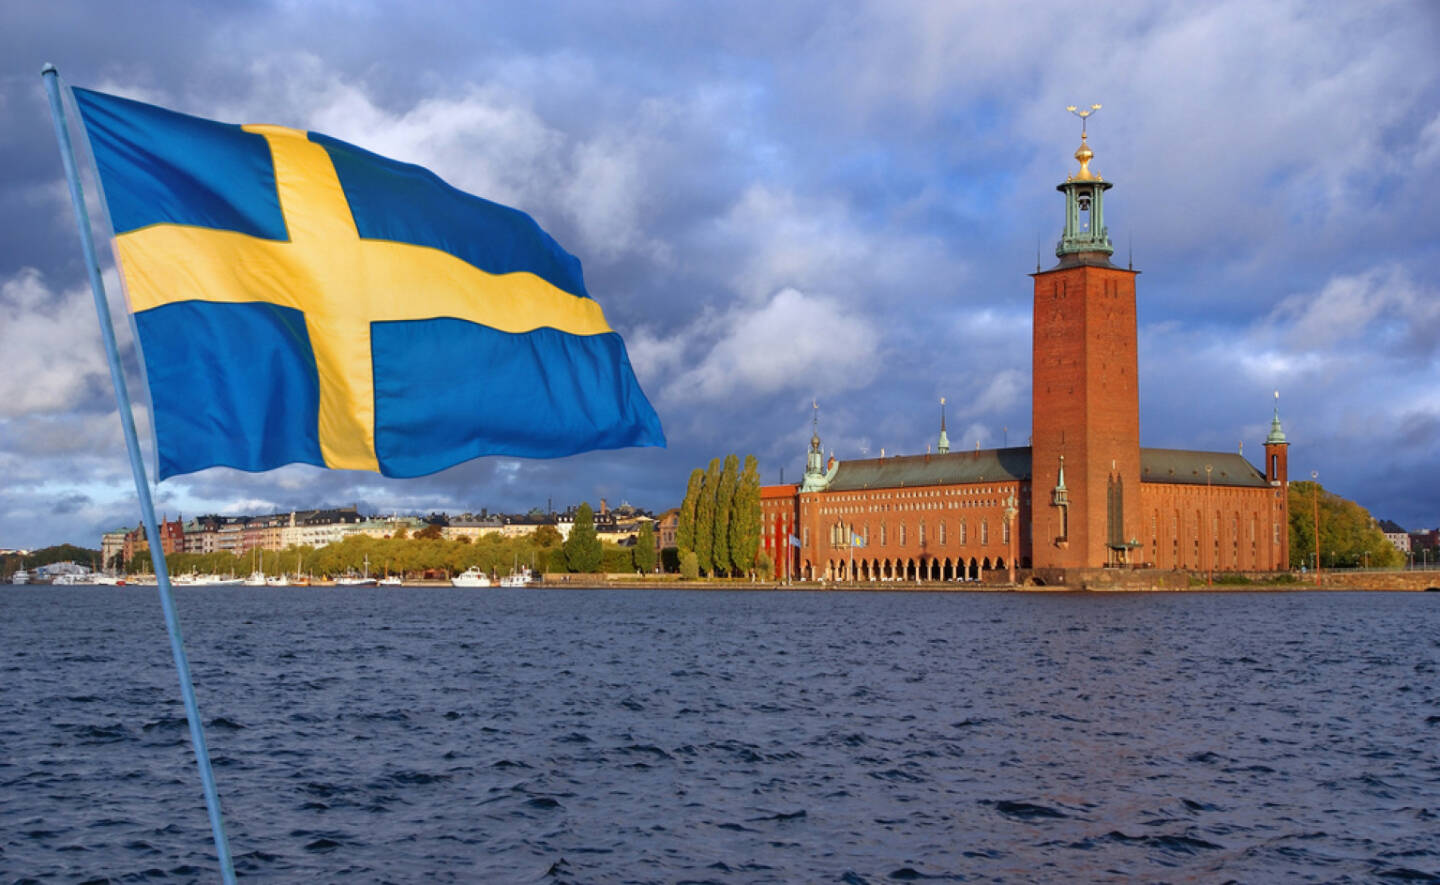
(613, 736)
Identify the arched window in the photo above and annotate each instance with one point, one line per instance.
(902, 534)
(942, 532)
(984, 531)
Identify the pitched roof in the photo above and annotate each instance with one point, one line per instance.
(1188, 468)
(993, 465)
(1007, 465)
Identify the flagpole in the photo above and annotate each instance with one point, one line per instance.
(51, 76)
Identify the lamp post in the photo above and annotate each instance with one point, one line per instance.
(1209, 554)
(1010, 511)
(1315, 503)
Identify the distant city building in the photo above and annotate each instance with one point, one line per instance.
(1396, 535)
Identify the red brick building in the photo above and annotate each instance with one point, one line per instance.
(1083, 496)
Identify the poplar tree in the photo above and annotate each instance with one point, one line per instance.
(724, 501)
(685, 531)
(645, 549)
(705, 518)
(583, 551)
(745, 518)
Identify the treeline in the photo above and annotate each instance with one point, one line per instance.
(719, 530)
(1349, 536)
(420, 555)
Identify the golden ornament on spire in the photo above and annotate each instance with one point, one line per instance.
(1083, 153)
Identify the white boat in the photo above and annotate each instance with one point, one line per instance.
(278, 581)
(110, 580)
(521, 578)
(195, 580)
(353, 580)
(392, 581)
(20, 577)
(471, 577)
(256, 579)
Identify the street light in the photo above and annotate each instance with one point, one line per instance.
(1010, 511)
(1315, 502)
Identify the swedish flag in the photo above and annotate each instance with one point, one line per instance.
(299, 299)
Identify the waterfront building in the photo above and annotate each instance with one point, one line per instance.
(1083, 496)
(1396, 535)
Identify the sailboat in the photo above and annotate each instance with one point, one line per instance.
(257, 577)
(351, 580)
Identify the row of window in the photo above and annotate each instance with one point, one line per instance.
(923, 505)
(842, 534)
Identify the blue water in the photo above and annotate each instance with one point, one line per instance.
(613, 736)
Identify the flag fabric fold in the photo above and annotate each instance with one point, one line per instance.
(299, 299)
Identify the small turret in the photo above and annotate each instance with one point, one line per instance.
(944, 445)
(1277, 468)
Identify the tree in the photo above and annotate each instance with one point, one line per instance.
(724, 499)
(583, 551)
(1349, 536)
(432, 531)
(764, 565)
(685, 531)
(689, 566)
(547, 536)
(745, 518)
(705, 519)
(645, 549)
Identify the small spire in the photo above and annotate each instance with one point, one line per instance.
(1277, 433)
(944, 445)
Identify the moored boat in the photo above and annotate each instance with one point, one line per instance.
(471, 577)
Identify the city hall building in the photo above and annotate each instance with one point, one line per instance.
(1082, 498)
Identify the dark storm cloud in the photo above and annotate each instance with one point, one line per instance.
(780, 202)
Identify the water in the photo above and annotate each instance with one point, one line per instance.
(612, 736)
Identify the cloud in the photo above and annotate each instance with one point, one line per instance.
(50, 365)
(1380, 305)
(794, 341)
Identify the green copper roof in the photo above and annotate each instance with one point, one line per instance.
(1277, 433)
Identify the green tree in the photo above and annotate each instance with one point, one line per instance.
(764, 565)
(689, 566)
(547, 536)
(724, 500)
(432, 531)
(583, 551)
(705, 518)
(745, 518)
(685, 530)
(1349, 536)
(645, 548)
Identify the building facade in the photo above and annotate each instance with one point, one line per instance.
(1084, 495)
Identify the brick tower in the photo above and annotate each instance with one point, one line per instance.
(1085, 448)
(1277, 473)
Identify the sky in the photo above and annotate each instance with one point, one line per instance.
(780, 204)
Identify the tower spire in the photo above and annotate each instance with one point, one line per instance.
(944, 445)
(1277, 433)
(1085, 229)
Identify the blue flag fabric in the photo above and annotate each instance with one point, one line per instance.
(299, 299)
